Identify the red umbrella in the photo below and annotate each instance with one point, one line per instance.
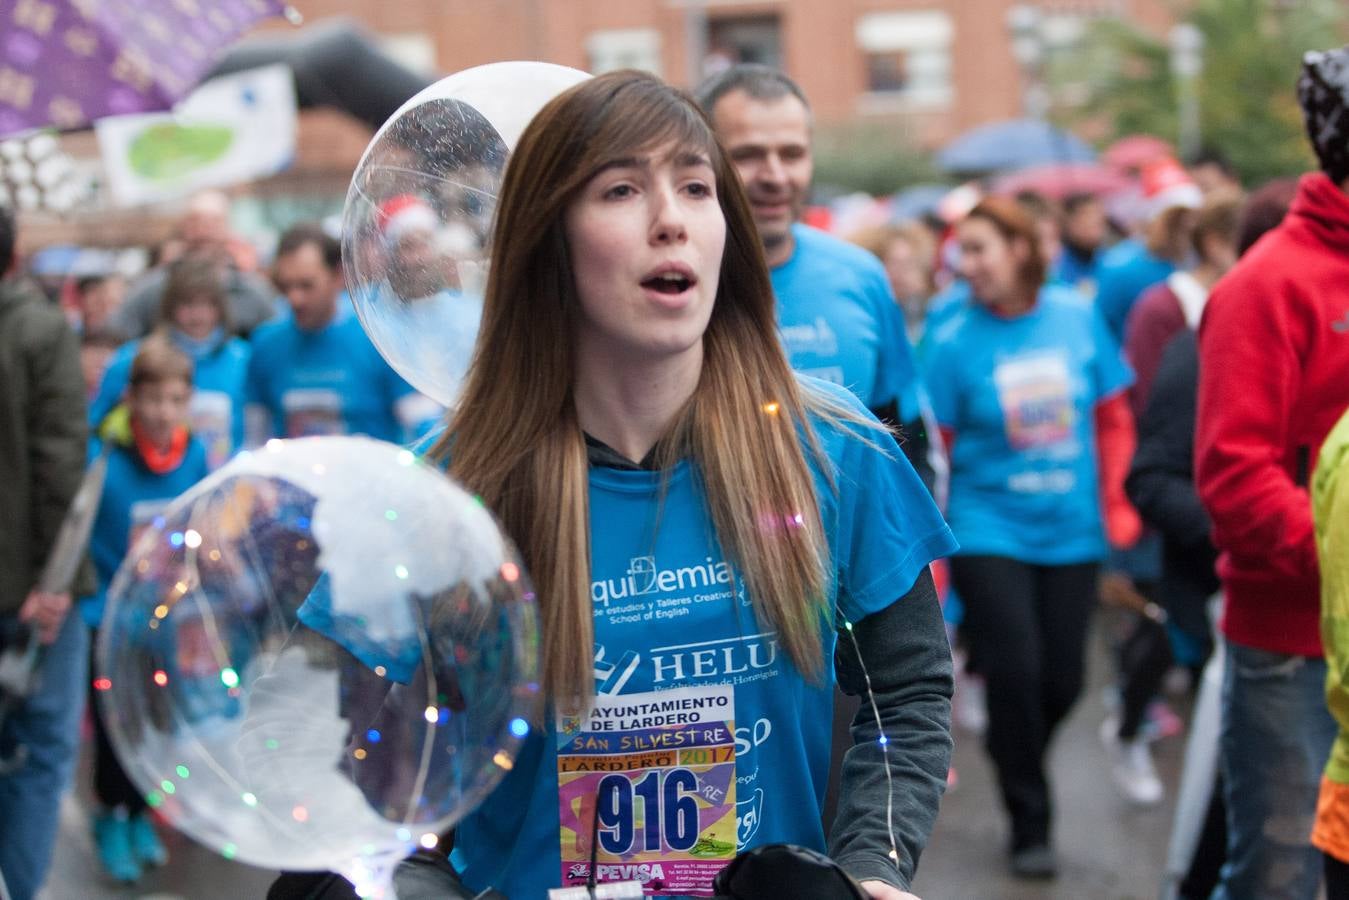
(1063, 179)
(1132, 153)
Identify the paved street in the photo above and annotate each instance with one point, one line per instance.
(1107, 850)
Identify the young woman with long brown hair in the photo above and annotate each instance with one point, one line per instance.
(697, 522)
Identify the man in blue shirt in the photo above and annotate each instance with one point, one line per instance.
(836, 314)
(315, 372)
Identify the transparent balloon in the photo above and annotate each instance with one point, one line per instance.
(319, 657)
(418, 215)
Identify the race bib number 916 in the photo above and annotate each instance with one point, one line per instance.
(652, 776)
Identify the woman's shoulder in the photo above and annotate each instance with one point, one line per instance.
(827, 401)
(841, 422)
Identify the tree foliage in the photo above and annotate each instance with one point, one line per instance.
(877, 157)
(1248, 103)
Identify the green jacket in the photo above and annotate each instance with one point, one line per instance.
(43, 436)
(1330, 508)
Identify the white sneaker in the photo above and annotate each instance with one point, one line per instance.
(1131, 768)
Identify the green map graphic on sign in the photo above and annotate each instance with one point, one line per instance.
(169, 151)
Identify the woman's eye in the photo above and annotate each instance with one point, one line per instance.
(618, 191)
(699, 189)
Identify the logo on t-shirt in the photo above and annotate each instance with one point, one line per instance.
(643, 577)
(748, 813)
(810, 337)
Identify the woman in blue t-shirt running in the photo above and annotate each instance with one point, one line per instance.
(698, 523)
(1028, 387)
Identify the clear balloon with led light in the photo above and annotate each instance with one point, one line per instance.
(418, 215)
(319, 657)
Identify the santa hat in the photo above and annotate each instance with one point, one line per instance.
(1166, 184)
(399, 216)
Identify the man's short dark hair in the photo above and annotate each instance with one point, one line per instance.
(758, 81)
(8, 238)
(306, 233)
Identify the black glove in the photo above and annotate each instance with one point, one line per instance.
(775, 871)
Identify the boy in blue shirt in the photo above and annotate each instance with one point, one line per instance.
(152, 458)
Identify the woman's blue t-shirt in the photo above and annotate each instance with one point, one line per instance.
(669, 613)
(1020, 394)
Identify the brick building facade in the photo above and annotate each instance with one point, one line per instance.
(932, 67)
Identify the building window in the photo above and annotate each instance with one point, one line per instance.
(908, 56)
(625, 48)
(752, 39)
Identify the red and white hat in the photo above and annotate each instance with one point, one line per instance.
(405, 213)
(1166, 184)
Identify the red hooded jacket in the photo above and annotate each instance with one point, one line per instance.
(1273, 380)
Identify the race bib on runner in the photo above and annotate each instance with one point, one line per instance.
(653, 777)
(313, 412)
(1035, 393)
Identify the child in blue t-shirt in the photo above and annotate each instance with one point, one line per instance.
(194, 316)
(1027, 384)
(152, 458)
(713, 542)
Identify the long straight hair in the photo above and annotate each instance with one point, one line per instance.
(515, 438)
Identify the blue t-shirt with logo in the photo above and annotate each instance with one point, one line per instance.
(327, 382)
(217, 409)
(669, 613)
(1020, 394)
(133, 498)
(839, 321)
(1123, 274)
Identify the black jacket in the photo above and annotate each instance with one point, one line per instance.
(1161, 487)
